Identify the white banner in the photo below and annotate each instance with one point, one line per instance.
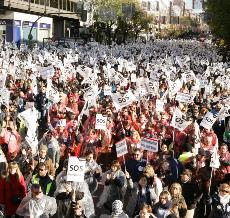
(184, 98)
(208, 120)
(121, 101)
(178, 121)
(100, 122)
(121, 148)
(76, 170)
(149, 144)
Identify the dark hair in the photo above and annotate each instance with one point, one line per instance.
(42, 165)
(88, 152)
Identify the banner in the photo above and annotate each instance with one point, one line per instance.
(2, 80)
(178, 121)
(184, 98)
(174, 87)
(76, 170)
(149, 144)
(208, 120)
(100, 122)
(121, 148)
(121, 101)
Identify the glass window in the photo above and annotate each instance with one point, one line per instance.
(42, 2)
(61, 4)
(64, 5)
(54, 3)
(36, 2)
(68, 5)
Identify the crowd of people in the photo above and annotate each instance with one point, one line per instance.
(166, 102)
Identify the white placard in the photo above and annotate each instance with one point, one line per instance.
(184, 98)
(52, 94)
(133, 77)
(100, 122)
(174, 87)
(159, 105)
(178, 121)
(149, 144)
(121, 101)
(76, 170)
(121, 148)
(2, 80)
(215, 163)
(203, 83)
(208, 120)
(224, 112)
(4, 96)
(107, 90)
(47, 72)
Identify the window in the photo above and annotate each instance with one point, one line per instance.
(149, 6)
(54, 3)
(42, 2)
(68, 5)
(64, 5)
(157, 6)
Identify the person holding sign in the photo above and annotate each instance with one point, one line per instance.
(115, 186)
(92, 171)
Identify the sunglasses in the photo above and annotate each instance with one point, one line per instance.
(225, 191)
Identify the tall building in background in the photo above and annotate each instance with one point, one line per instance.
(59, 18)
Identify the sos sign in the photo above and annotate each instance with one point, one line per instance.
(76, 170)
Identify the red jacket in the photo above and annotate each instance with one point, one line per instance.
(11, 188)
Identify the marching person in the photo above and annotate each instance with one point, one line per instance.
(12, 190)
(48, 185)
(42, 157)
(36, 204)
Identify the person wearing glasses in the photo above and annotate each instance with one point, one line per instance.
(135, 165)
(48, 185)
(36, 204)
(221, 202)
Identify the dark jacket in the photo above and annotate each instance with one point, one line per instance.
(218, 209)
(135, 168)
(47, 184)
(191, 194)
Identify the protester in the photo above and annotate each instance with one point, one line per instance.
(115, 186)
(48, 185)
(37, 204)
(13, 190)
(141, 194)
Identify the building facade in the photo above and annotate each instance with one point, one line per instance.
(59, 18)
